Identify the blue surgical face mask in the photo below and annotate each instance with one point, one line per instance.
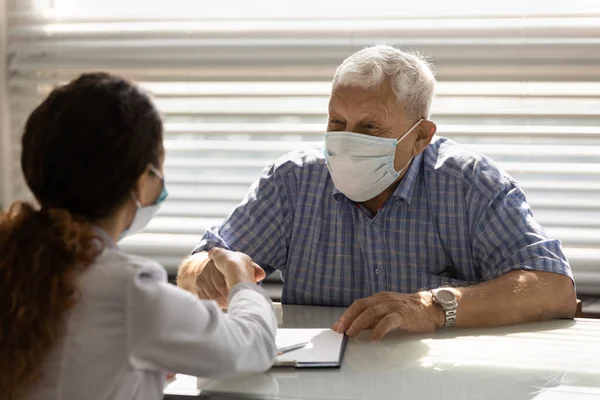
(362, 166)
(143, 215)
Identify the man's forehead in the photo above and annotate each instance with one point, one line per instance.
(354, 97)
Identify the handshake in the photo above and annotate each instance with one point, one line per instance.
(212, 275)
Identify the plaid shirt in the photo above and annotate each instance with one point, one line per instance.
(454, 219)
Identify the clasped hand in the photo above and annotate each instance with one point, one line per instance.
(223, 270)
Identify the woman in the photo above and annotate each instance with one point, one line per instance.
(81, 319)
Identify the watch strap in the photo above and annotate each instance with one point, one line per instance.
(449, 310)
(450, 317)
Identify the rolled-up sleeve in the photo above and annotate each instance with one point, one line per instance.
(507, 237)
(260, 226)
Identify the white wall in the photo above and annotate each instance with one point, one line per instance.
(6, 156)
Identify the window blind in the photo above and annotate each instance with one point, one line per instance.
(239, 90)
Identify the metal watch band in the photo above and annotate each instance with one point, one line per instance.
(450, 317)
(448, 307)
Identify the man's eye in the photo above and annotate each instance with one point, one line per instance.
(371, 126)
(335, 122)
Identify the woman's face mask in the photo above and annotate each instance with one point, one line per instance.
(144, 214)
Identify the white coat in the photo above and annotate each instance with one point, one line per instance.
(130, 327)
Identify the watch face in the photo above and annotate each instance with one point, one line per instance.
(445, 296)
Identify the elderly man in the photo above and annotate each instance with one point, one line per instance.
(411, 232)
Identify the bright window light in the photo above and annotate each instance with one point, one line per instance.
(331, 9)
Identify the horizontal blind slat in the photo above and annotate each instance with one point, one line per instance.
(236, 95)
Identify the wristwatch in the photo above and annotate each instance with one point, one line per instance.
(447, 300)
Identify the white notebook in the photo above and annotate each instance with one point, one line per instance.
(325, 348)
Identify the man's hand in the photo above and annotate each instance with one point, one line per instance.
(224, 270)
(189, 270)
(385, 311)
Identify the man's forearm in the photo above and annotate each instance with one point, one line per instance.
(189, 270)
(519, 296)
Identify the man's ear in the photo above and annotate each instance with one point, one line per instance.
(426, 130)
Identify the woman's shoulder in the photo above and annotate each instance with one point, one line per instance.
(115, 270)
(129, 265)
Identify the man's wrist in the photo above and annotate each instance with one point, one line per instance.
(446, 300)
(435, 311)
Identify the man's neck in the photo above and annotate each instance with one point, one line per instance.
(375, 204)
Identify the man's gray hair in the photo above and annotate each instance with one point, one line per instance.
(410, 76)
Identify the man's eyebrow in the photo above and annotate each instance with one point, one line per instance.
(369, 117)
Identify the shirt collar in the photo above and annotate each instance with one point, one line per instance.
(406, 187)
(108, 241)
(404, 190)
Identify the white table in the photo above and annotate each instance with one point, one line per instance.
(547, 360)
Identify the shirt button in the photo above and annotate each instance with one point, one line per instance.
(379, 271)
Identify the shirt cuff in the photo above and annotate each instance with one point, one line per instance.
(208, 242)
(248, 286)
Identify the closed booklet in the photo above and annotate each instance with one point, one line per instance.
(324, 348)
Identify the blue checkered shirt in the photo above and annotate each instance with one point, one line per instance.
(454, 219)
